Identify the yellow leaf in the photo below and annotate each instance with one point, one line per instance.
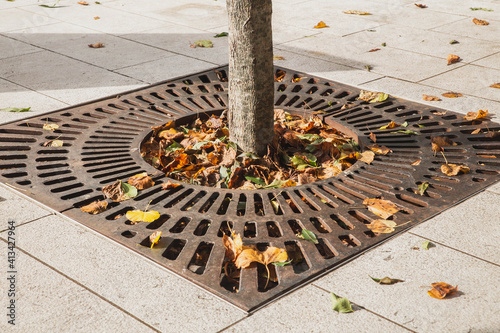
(382, 226)
(50, 127)
(441, 289)
(390, 125)
(320, 25)
(277, 57)
(480, 22)
(356, 12)
(233, 245)
(476, 115)
(454, 169)
(451, 94)
(382, 150)
(495, 85)
(272, 254)
(140, 216)
(154, 238)
(95, 207)
(430, 98)
(372, 96)
(380, 207)
(452, 59)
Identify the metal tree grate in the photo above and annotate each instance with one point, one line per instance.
(102, 141)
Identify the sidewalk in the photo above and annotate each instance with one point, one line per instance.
(72, 279)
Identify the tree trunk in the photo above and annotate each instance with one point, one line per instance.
(251, 77)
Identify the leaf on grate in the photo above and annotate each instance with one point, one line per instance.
(417, 162)
(96, 45)
(430, 98)
(439, 113)
(341, 304)
(154, 238)
(441, 289)
(386, 280)
(452, 59)
(203, 43)
(382, 208)
(476, 115)
(269, 256)
(381, 150)
(407, 132)
(382, 226)
(119, 191)
(373, 137)
(476, 131)
(15, 109)
(419, 5)
(437, 142)
(140, 216)
(356, 12)
(234, 246)
(282, 264)
(321, 25)
(392, 124)
(495, 85)
(141, 181)
(454, 169)
(169, 185)
(422, 188)
(95, 207)
(308, 235)
(372, 96)
(451, 94)
(480, 22)
(50, 127)
(53, 143)
(367, 157)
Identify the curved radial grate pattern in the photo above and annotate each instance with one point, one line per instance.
(101, 144)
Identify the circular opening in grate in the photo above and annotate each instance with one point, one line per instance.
(196, 149)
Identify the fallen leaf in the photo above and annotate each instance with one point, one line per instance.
(372, 96)
(356, 12)
(437, 142)
(54, 143)
(451, 94)
(380, 207)
(454, 42)
(95, 207)
(96, 45)
(487, 156)
(341, 304)
(405, 124)
(15, 109)
(270, 255)
(384, 44)
(495, 85)
(321, 25)
(234, 246)
(480, 8)
(430, 98)
(373, 50)
(169, 185)
(422, 188)
(441, 289)
(154, 238)
(382, 226)
(140, 216)
(96, 18)
(382, 150)
(476, 131)
(203, 43)
(373, 137)
(83, 3)
(277, 57)
(50, 127)
(454, 169)
(476, 115)
(222, 34)
(141, 181)
(427, 245)
(282, 264)
(119, 191)
(419, 5)
(452, 59)
(436, 148)
(407, 132)
(368, 68)
(492, 134)
(417, 162)
(386, 280)
(439, 113)
(367, 157)
(480, 22)
(392, 124)
(308, 235)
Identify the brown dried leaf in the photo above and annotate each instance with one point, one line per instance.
(476, 115)
(476, 131)
(439, 113)
(367, 157)
(451, 94)
(437, 142)
(430, 98)
(487, 156)
(141, 181)
(419, 5)
(382, 226)
(54, 143)
(321, 25)
(83, 3)
(270, 255)
(305, 178)
(454, 169)
(169, 185)
(436, 148)
(492, 135)
(95, 207)
(96, 45)
(233, 245)
(154, 238)
(382, 208)
(441, 289)
(374, 50)
(480, 22)
(417, 162)
(50, 127)
(382, 150)
(452, 59)
(214, 122)
(373, 137)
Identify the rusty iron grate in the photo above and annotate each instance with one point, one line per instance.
(102, 141)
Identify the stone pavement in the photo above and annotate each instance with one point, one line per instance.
(74, 280)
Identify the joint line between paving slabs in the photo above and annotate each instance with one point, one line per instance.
(86, 288)
(452, 248)
(27, 222)
(370, 311)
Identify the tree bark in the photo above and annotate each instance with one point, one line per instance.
(251, 77)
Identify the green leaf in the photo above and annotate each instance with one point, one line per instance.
(276, 206)
(309, 236)
(222, 34)
(479, 8)
(224, 172)
(341, 304)
(299, 163)
(204, 43)
(309, 137)
(407, 132)
(380, 98)
(384, 44)
(281, 264)
(371, 30)
(427, 245)
(422, 188)
(231, 144)
(386, 280)
(256, 180)
(15, 109)
(405, 124)
(173, 147)
(420, 125)
(249, 155)
(199, 145)
(129, 191)
(97, 3)
(454, 42)
(275, 184)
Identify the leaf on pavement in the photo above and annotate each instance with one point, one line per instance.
(476, 115)
(141, 181)
(480, 22)
(96, 45)
(15, 109)
(341, 304)
(154, 238)
(422, 188)
(386, 280)
(222, 34)
(495, 85)
(95, 207)
(452, 59)
(382, 226)
(321, 25)
(382, 208)
(480, 8)
(427, 245)
(203, 43)
(356, 12)
(419, 5)
(374, 50)
(451, 94)
(140, 216)
(372, 96)
(382, 150)
(430, 98)
(441, 289)
(392, 124)
(278, 57)
(454, 169)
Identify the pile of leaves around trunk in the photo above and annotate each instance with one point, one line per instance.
(303, 151)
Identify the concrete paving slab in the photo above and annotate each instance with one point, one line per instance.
(109, 20)
(467, 28)
(65, 79)
(475, 308)
(46, 301)
(463, 7)
(18, 209)
(16, 18)
(138, 286)
(13, 95)
(492, 61)
(414, 91)
(471, 227)
(166, 68)
(310, 310)
(13, 48)
(495, 188)
(73, 41)
(470, 79)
